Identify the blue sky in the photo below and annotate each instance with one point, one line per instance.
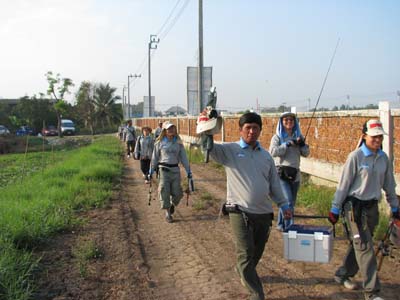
(271, 51)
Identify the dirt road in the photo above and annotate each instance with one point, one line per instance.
(144, 257)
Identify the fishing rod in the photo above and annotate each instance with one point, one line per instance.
(322, 88)
(190, 187)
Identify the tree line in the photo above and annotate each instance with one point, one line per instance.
(94, 110)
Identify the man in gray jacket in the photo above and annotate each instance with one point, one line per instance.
(252, 186)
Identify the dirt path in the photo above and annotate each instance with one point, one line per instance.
(144, 257)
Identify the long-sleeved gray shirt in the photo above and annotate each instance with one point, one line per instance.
(364, 175)
(252, 180)
(144, 147)
(130, 134)
(169, 152)
(287, 156)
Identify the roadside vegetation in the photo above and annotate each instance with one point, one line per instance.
(41, 153)
(46, 202)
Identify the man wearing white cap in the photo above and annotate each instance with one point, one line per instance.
(366, 172)
(167, 154)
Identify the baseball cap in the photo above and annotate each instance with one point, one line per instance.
(167, 124)
(374, 128)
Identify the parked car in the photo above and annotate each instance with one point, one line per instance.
(50, 131)
(24, 130)
(4, 130)
(67, 127)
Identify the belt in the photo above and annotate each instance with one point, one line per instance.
(168, 165)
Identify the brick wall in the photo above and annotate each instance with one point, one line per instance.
(331, 136)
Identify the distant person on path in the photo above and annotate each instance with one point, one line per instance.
(287, 146)
(144, 150)
(130, 138)
(158, 130)
(168, 153)
(121, 129)
(366, 172)
(252, 185)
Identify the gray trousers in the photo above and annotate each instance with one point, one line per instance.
(250, 235)
(360, 253)
(169, 188)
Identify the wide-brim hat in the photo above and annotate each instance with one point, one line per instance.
(209, 126)
(374, 128)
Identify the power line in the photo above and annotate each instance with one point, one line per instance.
(172, 24)
(169, 16)
(163, 34)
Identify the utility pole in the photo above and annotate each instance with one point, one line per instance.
(398, 94)
(200, 67)
(129, 96)
(348, 102)
(152, 45)
(123, 102)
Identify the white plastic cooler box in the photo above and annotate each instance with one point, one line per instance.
(308, 243)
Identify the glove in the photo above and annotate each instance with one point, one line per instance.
(333, 218)
(396, 214)
(289, 143)
(287, 212)
(301, 142)
(189, 175)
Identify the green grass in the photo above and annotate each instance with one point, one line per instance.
(196, 156)
(45, 203)
(85, 251)
(205, 201)
(15, 168)
(318, 198)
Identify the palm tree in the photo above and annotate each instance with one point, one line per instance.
(106, 106)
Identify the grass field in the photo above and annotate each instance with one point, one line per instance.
(45, 202)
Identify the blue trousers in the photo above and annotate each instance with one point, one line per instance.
(290, 190)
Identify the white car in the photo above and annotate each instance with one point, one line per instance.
(67, 127)
(4, 130)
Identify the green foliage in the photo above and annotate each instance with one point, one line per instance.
(106, 107)
(194, 155)
(319, 198)
(16, 268)
(45, 203)
(205, 201)
(382, 227)
(85, 251)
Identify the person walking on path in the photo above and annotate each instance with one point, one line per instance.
(158, 130)
(252, 185)
(130, 138)
(168, 153)
(144, 150)
(366, 172)
(287, 146)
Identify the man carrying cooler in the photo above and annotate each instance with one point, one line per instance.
(252, 185)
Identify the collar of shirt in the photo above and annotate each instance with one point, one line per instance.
(244, 145)
(368, 152)
(166, 140)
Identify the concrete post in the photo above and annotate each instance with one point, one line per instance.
(386, 119)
